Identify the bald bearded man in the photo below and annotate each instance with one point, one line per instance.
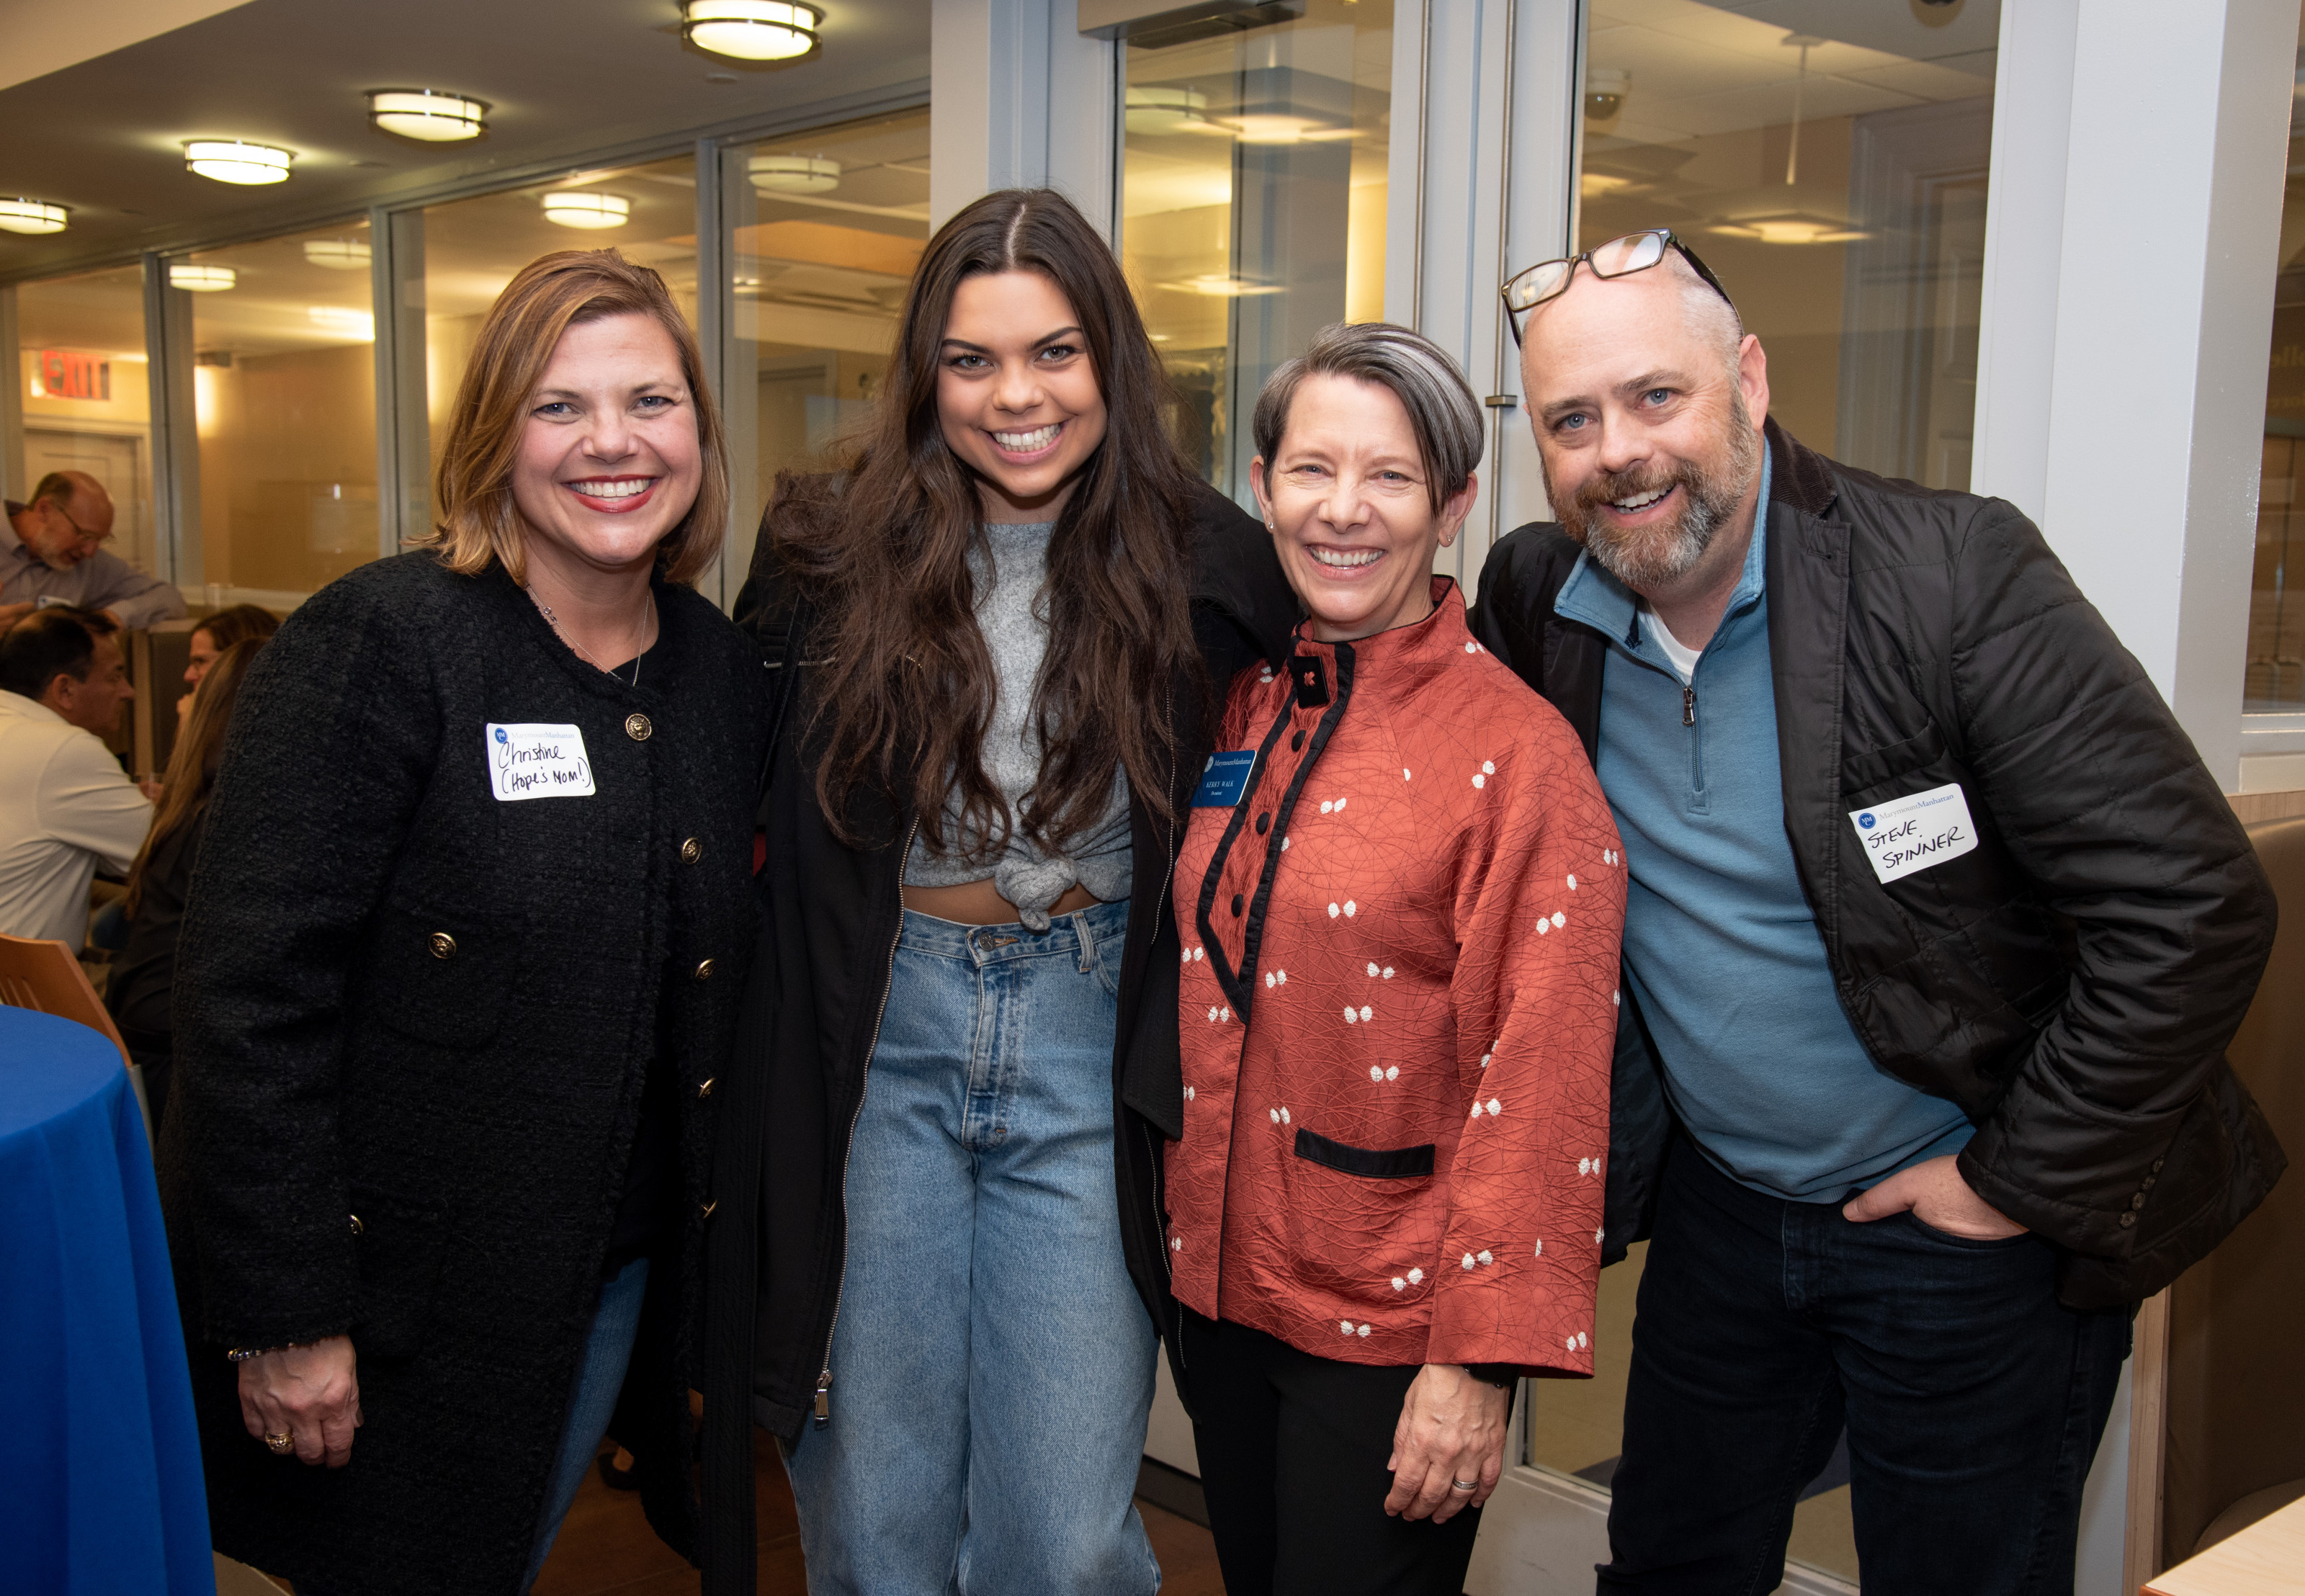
(53, 550)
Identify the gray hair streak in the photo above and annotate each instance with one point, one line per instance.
(1442, 412)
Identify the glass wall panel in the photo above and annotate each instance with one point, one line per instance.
(2276, 679)
(1830, 163)
(825, 230)
(1252, 204)
(284, 396)
(1834, 178)
(87, 403)
(450, 261)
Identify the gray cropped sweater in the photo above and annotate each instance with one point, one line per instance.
(1016, 628)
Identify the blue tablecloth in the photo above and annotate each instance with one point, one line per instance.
(100, 1487)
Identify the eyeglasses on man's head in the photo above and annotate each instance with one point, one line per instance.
(1619, 258)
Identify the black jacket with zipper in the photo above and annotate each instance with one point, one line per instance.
(830, 916)
(2072, 982)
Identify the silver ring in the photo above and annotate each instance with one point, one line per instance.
(1465, 1485)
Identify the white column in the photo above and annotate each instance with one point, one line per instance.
(2122, 379)
(1483, 162)
(1019, 99)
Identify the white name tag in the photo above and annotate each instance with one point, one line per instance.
(1907, 835)
(533, 759)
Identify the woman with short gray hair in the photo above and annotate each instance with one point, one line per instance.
(1400, 899)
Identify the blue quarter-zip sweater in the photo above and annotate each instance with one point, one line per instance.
(1721, 948)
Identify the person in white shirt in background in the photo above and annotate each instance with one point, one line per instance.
(52, 552)
(65, 803)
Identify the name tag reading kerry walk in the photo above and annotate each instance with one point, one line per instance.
(534, 759)
(1909, 834)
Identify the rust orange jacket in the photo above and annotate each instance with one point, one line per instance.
(1399, 1006)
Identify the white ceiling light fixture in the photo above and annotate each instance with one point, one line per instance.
(794, 173)
(427, 114)
(201, 279)
(751, 29)
(1158, 108)
(338, 254)
(583, 207)
(31, 215)
(235, 160)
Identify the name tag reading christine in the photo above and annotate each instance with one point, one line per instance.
(1225, 778)
(534, 759)
(1907, 835)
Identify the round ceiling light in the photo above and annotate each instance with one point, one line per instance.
(234, 160)
(581, 208)
(201, 279)
(795, 173)
(1164, 108)
(338, 254)
(751, 29)
(427, 114)
(31, 215)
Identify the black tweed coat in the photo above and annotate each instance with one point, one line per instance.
(413, 1025)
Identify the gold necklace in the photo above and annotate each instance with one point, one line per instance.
(553, 620)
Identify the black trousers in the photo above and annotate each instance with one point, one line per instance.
(1973, 1399)
(1293, 1451)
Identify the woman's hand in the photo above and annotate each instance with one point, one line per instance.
(310, 1393)
(1451, 1429)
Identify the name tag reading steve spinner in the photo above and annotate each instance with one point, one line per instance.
(1225, 778)
(1907, 835)
(536, 759)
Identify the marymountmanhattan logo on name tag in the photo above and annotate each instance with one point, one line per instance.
(534, 759)
(1907, 835)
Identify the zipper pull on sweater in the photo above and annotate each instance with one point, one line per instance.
(1688, 706)
(823, 1418)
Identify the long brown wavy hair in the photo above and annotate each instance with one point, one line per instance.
(908, 690)
(192, 763)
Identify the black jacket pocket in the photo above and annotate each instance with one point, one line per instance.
(440, 976)
(399, 1243)
(1386, 1163)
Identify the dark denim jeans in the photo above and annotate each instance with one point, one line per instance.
(1973, 1401)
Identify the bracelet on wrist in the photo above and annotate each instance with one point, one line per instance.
(241, 1355)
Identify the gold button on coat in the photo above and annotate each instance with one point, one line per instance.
(443, 945)
(637, 727)
(705, 1090)
(705, 970)
(709, 1208)
(358, 1228)
(691, 850)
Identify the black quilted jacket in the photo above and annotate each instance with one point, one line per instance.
(474, 1110)
(2071, 983)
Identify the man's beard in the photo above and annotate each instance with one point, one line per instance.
(1652, 557)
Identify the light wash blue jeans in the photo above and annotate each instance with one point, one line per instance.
(992, 1364)
(607, 1352)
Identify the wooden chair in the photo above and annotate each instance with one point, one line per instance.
(43, 975)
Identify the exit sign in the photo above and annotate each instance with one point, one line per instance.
(63, 375)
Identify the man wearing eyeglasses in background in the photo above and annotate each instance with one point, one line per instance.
(1936, 932)
(54, 553)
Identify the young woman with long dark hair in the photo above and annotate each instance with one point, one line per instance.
(144, 971)
(939, 1274)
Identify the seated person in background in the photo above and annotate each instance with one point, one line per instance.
(215, 635)
(53, 549)
(144, 971)
(64, 803)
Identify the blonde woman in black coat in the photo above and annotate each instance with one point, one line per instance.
(461, 955)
